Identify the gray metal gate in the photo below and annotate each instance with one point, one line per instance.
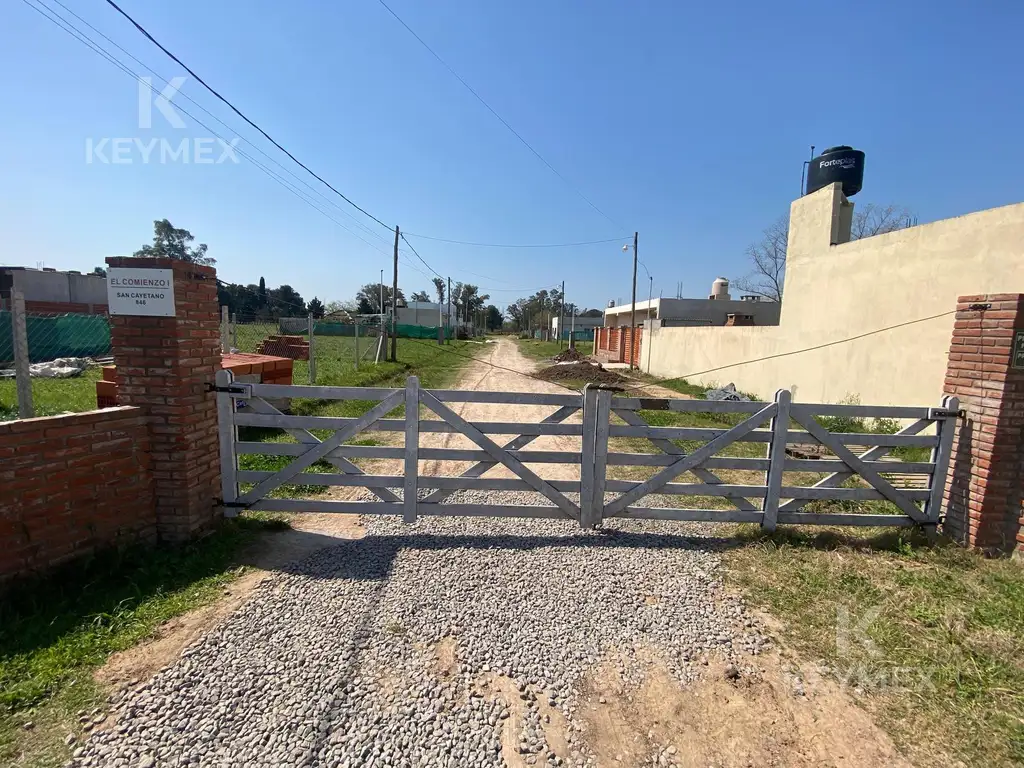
(850, 466)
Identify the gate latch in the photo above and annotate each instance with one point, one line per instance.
(942, 413)
(243, 390)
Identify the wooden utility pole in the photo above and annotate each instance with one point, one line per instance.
(632, 309)
(394, 302)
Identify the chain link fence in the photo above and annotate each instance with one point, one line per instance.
(334, 348)
(49, 361)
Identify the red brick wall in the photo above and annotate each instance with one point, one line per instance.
(72, 484)
(984, 486)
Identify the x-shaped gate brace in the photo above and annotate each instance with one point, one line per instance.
(501, 454)
(688, 461)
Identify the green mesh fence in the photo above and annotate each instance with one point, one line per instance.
(328, 328)
(53, 336)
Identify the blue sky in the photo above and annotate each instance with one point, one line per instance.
(685, 121)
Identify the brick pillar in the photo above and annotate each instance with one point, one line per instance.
(985, 482)
(163, 366)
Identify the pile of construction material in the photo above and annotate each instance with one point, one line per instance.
(292, 347)
(569, 355)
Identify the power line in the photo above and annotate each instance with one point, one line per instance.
(420, 257)
(88, 42)
(514, 245)
(491, 109)
(235, 109)
(328, 200)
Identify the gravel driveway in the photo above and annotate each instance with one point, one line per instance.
(444, 643)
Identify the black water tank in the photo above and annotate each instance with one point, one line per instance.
(843, 164)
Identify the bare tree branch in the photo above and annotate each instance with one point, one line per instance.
(871, 220)
(768, 256)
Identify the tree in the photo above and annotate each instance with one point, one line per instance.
(493, 319)
(592, 313)
(439, 286)
(101, 271)
(263, 292)
(768, 255)
(170, 242)
(421, 296)
(335, 307)
(315, 308)
(286, 302)
(368, 298)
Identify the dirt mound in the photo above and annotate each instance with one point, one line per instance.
(568, 355)
(581, 371)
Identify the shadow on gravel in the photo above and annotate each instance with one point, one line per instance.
(373, 555)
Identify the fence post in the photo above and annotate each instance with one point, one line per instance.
(23, 382)
(940, 457)
(357, 344)
(587, 457)
(228, 434)
(603, 416)
(412, 448)
(234, 330)
(776, 460)
(224, 331)
(312, 351)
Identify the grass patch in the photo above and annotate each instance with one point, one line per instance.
(53, 396)
(941, 668)
(545, 350)
(55, 630)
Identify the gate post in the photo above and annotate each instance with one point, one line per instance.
(412, 449)
(776, 459)
(166, 366)
(985, 486)
(587, 457)
(228, 434)
(602, 417)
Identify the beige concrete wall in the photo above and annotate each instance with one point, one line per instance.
(835, 291)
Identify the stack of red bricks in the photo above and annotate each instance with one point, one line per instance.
(271, 370)
(293, 347)
(70, 485)
(984, 486)
(106, 388)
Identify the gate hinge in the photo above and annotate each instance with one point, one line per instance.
(979, 307)
(234, 389)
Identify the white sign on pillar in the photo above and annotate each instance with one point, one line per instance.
(146, 292)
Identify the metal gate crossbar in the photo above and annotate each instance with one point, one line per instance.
(480, 468)
(671, 449)
(691, 460)
(304, 436)
(500, 455)
(320, 450)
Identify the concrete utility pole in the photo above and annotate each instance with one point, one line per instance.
(632, 312)
(449, 309)
(382, 301)
(561, 315)
(394, 304)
